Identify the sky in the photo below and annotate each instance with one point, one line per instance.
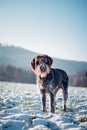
(54, 27)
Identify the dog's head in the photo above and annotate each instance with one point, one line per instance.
(41, 65)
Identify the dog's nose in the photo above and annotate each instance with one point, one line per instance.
(43, 68)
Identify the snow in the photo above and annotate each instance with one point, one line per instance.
(20, 109)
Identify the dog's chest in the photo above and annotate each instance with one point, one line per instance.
(46, 85)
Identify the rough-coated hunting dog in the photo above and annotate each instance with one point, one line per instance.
(49, 80)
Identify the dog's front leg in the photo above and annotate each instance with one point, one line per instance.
(52, 102)
(43, 100)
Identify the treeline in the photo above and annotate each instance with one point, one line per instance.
(79, 80)
(13, 74)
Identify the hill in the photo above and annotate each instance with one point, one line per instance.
(21, 58)
(15, 56)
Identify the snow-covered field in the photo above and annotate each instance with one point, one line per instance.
(20, 109)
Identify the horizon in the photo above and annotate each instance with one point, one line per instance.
(57, 28)
(10, 45)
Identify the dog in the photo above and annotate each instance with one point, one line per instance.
(49, 80)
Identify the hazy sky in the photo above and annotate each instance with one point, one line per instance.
(55, 27)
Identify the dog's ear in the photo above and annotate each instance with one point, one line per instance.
(50, 60)
(33, 64)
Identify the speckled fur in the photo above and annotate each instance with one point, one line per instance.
(51, 82)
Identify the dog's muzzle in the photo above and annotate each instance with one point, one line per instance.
(43, 67)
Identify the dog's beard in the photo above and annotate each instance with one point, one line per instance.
(42, 74)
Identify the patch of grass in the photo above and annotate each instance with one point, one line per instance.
(27, 103)
(81, 118)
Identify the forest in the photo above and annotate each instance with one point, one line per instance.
(10, 73)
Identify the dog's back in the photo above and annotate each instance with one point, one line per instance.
(60, 76)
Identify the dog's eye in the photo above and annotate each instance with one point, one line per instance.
(46, 62)
(37, 63)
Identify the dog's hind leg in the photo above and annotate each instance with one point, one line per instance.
(65, 94)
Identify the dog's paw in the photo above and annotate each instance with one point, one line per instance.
(44, 110)
(64, 108)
